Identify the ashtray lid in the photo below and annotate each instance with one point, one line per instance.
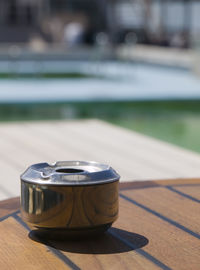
(70, 173)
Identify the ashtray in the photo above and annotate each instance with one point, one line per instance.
(69, 198)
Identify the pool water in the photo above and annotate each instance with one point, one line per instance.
(177, 122)
(161, 102)
(183, 130)
(105, 81)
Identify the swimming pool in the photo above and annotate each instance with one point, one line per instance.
(109, 81)
(135, 96)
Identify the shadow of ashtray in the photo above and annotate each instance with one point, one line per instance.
(113, 241)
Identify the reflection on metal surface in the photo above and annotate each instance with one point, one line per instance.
(37, 199)
(49, 202)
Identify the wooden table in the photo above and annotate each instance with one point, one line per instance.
(158, 228)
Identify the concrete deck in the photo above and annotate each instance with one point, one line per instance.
(167, 56)
(174, 57)
(134, 156)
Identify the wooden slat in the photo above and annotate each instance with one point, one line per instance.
(193, 191)
(106, 252)
(160, 183)
(19, 252)
(167, 243)
(137, 184)
(178, 181)
(139, 239)
(170, 204)
(9, 206)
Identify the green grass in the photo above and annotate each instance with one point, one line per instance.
(177, 122)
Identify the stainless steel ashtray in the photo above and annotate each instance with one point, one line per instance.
(71, 198)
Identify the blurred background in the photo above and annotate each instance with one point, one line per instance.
(134, 63)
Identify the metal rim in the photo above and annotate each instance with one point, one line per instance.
(70, 173)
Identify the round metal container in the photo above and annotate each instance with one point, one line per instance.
(71, 197)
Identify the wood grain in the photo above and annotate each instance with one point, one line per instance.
(9, 206)
(154, 231)
(19, 252)
(190, 190)
(167, 243)
(156, 183)
(179, 208)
